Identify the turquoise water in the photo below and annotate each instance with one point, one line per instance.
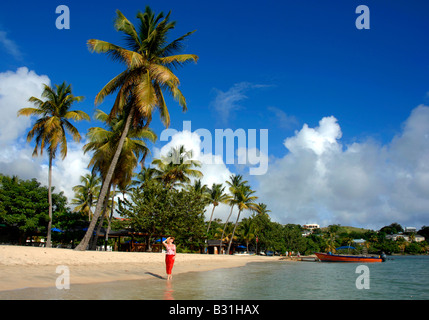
(403, 278)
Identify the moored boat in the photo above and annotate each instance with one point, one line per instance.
(329, 257)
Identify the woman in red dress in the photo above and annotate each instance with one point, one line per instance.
(170, 255)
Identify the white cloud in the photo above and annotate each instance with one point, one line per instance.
(212, 166)
(10, 46)
(364, 183)
(15, 89)
(227, 102)
(16, 154)
(282, 119)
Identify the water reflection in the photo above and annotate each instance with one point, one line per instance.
(168, 293)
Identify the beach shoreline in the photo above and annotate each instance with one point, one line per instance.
(30, 267)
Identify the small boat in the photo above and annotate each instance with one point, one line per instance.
(329, 257)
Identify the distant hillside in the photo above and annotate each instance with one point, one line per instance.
(348, 229)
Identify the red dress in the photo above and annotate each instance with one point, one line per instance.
(169, 257)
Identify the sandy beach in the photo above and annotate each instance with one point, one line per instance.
(25, 267)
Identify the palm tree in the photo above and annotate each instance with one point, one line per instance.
(198, 187)
(148, 59)
(247, 231)
(216, 196)
(245, 201)
(236, 181)
(50, 129)
(103, 142)
(262, 208)
(146, 175)
(86, 193)
(176, 167)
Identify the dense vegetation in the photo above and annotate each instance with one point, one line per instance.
(153, 208)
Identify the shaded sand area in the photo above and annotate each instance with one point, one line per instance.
(26, 267)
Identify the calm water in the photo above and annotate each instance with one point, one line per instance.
(401, 278)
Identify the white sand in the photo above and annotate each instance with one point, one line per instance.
(22, 267)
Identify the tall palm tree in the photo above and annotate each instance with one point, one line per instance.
(216, 196)
(86, 193)
(244, 201)
(176, 167)
(148, 59)
(236, 181)
(51, 126)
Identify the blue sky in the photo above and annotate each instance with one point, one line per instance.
(276, 65)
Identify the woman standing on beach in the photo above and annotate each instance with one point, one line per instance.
(170, 255)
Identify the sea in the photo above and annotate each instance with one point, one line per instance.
(399, 278)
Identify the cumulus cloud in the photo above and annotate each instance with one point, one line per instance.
(365, 183)
(16, 154)
(15, 89)
(212, 166)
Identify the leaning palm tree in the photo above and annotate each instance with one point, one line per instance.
(140, 88)
(176, 167)
(244, 201)
(236, 182)
(50, 129)
(216, 196)
(103, 143)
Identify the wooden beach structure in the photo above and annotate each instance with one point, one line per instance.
(134, 245)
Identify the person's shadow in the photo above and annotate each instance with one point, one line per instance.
(155, 275)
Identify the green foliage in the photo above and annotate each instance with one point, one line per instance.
(155, 209)
(392, 229)
(24, 205)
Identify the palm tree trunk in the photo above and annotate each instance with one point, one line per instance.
(233, 231)
(106, 184)
(210, 222)
(112, 210)
(224, 228)
(48, 240)
(93, 243)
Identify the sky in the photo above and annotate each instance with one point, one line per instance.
(333, 120)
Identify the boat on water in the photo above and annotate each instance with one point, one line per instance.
(329, 257)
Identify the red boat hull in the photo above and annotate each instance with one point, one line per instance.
(338, 258)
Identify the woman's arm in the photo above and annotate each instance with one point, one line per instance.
(164, 242)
